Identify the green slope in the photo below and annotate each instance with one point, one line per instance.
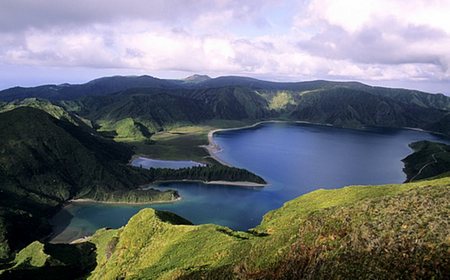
(51, 261)
(354, 108)
(428, 160)
(157, 109)
(342, 233)
(48, 107)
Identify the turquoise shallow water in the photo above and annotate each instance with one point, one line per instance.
(293, 158)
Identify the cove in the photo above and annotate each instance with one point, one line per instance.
(293, 158)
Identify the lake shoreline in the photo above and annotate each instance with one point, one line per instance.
(219, 205)
(93, 201)
(226, 183)
(213, 148)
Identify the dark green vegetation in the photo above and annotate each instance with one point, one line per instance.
(44, 162)
(136, 110)
(393, 231)
(155, 104)
(375, 232)
(428, 160)
(206, 174)
(339, 104)
(52, 261)
(54, 110)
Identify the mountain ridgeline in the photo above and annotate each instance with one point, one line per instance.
(157, 103)
(53, 148)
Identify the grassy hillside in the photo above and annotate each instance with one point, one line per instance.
(48, 107)
(51, 261)
(342, 233)
(370, 232)
(428, 160)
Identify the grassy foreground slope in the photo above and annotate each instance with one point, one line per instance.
(360, 231)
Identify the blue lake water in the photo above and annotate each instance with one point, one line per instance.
(293, 158)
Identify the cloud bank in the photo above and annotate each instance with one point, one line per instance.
(383, 40)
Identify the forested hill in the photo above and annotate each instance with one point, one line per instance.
(150, 104)
(428, 160)
(44, 162)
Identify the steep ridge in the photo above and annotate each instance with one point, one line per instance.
(45, 161)
(354, 108)
(428, 160)
(342, 233)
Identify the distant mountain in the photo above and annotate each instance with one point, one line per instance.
(45, 161)
(152, 104)
(355, 108)
(340, 106)
(98, 87)
(441, 125)
(153, 108)
(156, 109)
(197, 78)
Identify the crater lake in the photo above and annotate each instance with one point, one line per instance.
(293, 158)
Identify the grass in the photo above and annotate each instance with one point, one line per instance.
(393, 237)
(182, 142)
(150, 247)
(125, 130)
(161, 249)
(176, 144)
(281, 100)
(32, 255)
(52, 261)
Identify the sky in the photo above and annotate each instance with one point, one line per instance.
(393, 43)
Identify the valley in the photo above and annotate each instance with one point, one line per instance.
(63, 143)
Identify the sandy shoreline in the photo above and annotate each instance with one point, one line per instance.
(228, 183)
(87, 200)
(213, 148)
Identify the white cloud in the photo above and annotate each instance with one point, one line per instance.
(348, 39)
